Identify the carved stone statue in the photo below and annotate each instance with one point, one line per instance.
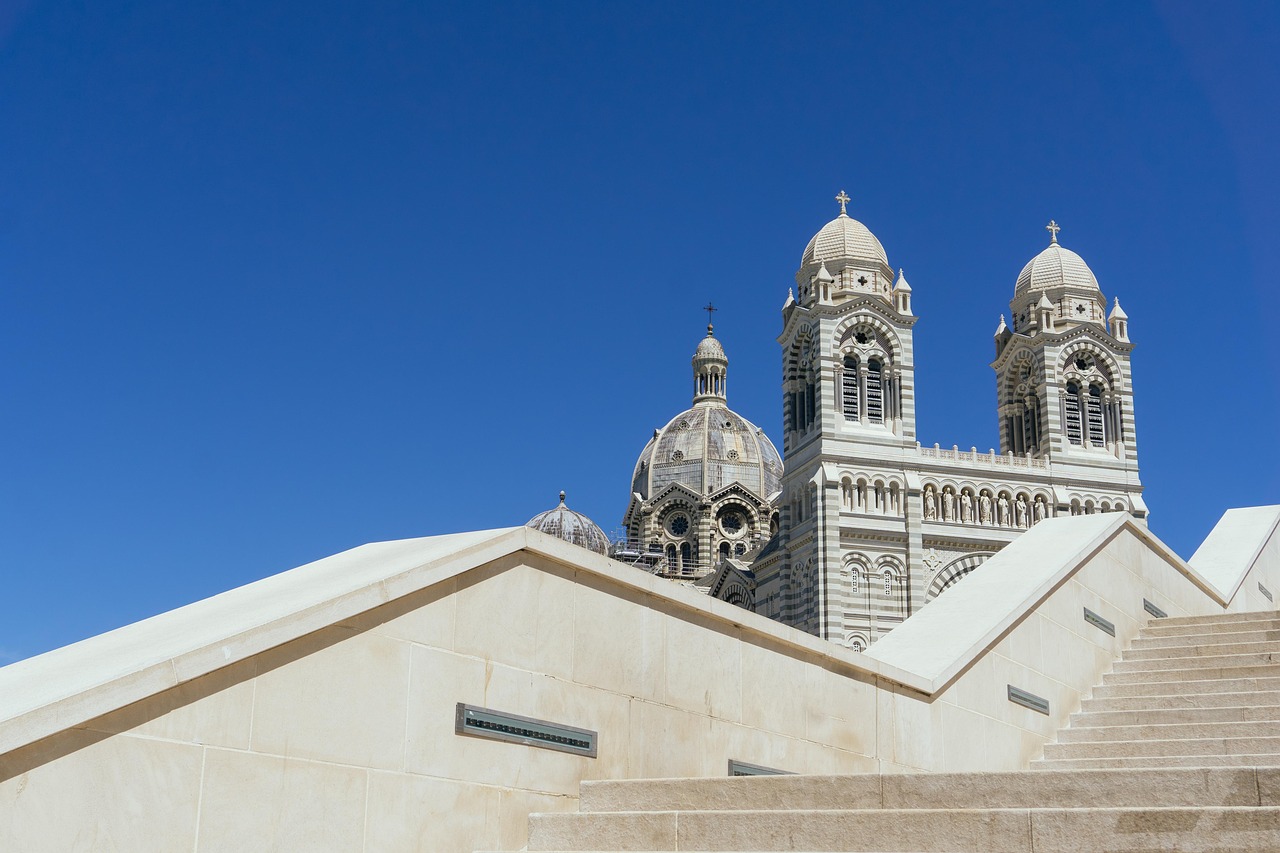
(948, 504)
(984, 509)
(930, 504)
(1020, 510)
(1002, 507)
(1041, 509)
(966, 507)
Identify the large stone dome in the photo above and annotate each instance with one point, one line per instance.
(562, 522)
(709, 446)
(705, 449)
(842, 261)
(843, 238)
(1053, 268)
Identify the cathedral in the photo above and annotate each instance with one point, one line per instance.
(857, 525)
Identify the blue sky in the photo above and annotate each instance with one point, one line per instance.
(277, 279)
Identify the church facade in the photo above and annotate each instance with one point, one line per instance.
(873, 525)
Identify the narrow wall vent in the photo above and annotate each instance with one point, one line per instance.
(513, 728)
(742, 768)
(1028, 700)
(1153, 610)
(1098, 622)
(1262, 589)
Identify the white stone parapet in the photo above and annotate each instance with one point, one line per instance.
(973, 457)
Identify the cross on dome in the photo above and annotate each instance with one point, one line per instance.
(710, 309)
(843, 198)
(1053, 228)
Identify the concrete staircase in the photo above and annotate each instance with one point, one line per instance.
(1190, 692)
(1179, 749)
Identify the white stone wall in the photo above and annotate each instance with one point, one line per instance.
(343, 739)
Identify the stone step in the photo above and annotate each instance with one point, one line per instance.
(1188, 662)
(1153, 714)
(1067, 789)
(1212, 673)
(1183, 746)
(1247, 622)
(1165, 700)
(1260, 647)
(1121, 830)
(1216, 685)
(1170, 731)
(1198, 639)
(1165, 762)
(1212, 620)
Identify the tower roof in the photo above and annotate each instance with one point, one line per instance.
(844, 238)
(1055, 267)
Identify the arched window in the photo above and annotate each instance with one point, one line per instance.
(888, 583)
(875, 392)
(671, 558)
(686, 556)
(1072, 413)
(1031, 424)
(855, 577)
(724, 549)
(1094, 421)
(849, 388)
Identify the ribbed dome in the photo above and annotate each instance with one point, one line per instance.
(709, 348)
(1055, 267)
(706, 448)
(843, 238)
(571, 526)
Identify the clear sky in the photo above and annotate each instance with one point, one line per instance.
(277, 279)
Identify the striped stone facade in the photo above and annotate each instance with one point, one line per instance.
(873, 525)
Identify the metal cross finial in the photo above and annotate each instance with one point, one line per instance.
(1053, 228)
(710, 309)
(843, 198)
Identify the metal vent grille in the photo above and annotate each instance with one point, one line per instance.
(742, 768)
(513, 728)
(1028, 700)
(1098, 622)
(1153, 610)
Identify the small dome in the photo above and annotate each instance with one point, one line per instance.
(709, 348)
(844, 238)
(1055, 267)
(571, 526)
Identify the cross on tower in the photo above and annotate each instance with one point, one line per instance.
(710, 309)
(843, 198)
(1053, 228)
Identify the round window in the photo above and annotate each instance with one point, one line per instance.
(679, 524)
(731, 523)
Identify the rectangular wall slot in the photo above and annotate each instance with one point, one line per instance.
(742, 768)
(1098, 622)
(1153, 610)
(498, 725)
(1262, 589)
(1028, 700)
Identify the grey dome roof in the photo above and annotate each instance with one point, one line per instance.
(571, 526)
(705, 449)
